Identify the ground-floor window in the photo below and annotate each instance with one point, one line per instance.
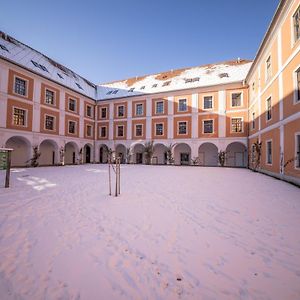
(120, 131)
(49, 123)
(159, 129)
(298, 150)
(269, 152)
(236, 125)
(182, 127)
(138, 130)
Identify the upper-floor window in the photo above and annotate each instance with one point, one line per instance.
(236, 99)
(208, 102)
(269, 152)
(139, 109)
(268, 68)
(49, 123)
(182, 127)
(159, 129)
(103, 112)
(19, 116)
(103, 131)
(236, 125)
(138, 130)
(269, 108)
(72, 127)
(298, 85)
(159, 107)
(88, 110)
(253, 120)
(88, 130)
(120, 130)
(121, 111)
(296, 19)
(182, 105)
(72, 104)
(208, 126)
(20, 86)
(298, 150)
(49, 97)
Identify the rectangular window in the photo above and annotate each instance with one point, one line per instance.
(138, 130)
(121, 111)
(139, 109)
(49, 97)
(208, 102)
(236, 99)
(236, 125)
(269, 108)
(103, 131)
(182, 105)
(103, 112)
(253, 153)
(298, 85)
(72, 105)
(49, 123)
(120, 130)
(88, 130)
(269, 152)
(19, 116)
(88, 110)
(253, 120)
(20, 86)
(268, 68)
(159, 129)
(182, 127)
(208, 126)
(296, 19)
(72, 127)
(159, 107)
(298, 150)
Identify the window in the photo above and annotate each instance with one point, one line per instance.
(109, 92)
(236, 99)
(60, 76)
(131, 90)
(103, 131)
(236, 125)
(4, 48)
(182, 105)
(138, 130)
(49, 123)
(298, 150)
(121, 111)
(88, 130)
(208, 126)
(269, 108)
(39, 66)
(296, 19)
(72, 127)
(143, 87)
(268, 68)
(88, 110)
(298, 85)
(182, 127)
(49, 97)
(115, 92)
(154, 85)
(253, 120)
(253, 153)
(72, 105)
(159, 129)
(159, 107)
(139, 109)
(20, 86)
(79, 86)
(208, 102)
(269, 152)
(166, 83)
(103, 112)
(120, 130)
(19, 116)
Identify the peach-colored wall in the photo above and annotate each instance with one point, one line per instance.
(45, 87)
(116, 110)
(53, 113)
(69, 96)
(215, 97)
(229, 116)
(71, 118)
(99, 111)
(100, 124)
(176, 104)
(165, 100)
(213, 117)
(164, 121)
(134, 103)
(116, 123)
(189, 127)
(143, 123)
(86, 123)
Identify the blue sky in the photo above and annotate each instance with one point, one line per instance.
(111, 40)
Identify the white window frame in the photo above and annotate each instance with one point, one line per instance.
(242, 98)
(54, 99)
(296, 100)
(187, 127)
(26, 116)
(26, 86)
(136, 104)
(296, 155)
(253, 153)
(253, 121)
(73, 111)
(74, 126)
(135, 125)
(267, 78)
(121, 105)
(54, 122)
(86, 130)
(100, 131)
(213, 126)
(106, 110)
(293, 39)
(186, 105)
(212, 102)
(88, 105)
(267, 163)
(163, 111)
(117, 131)
(242, 125)
(266, 105)
(163, 128)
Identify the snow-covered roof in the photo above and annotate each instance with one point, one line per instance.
(21, 54)
(195, 77)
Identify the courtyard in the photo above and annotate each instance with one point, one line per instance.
(173, 233)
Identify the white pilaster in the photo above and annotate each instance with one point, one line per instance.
(195, 116)
(129, 120)
(111, 121)
(148, 118)
(222, 113)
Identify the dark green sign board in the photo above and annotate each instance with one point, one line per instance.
(3, 160)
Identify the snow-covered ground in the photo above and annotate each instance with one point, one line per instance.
(174, 233)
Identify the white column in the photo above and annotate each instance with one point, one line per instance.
(259, 100)
(81, 118)
(62, 108)
(111, 121)
(36, 113)
(222, 113)
(3, 96)
(129, 120)
(148, 118)
(195, 116)
(170, 117)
